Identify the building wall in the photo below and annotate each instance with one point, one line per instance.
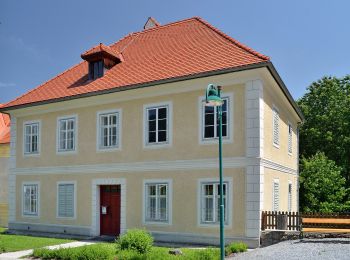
(4, 168)
(185, 143)
(284, 179)
(184, 200)
(271, 152)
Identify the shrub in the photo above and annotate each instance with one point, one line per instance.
(236, 247)
(98, 251)
(135, 239)
(130, 255)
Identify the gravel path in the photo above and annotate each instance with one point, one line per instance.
(327, 248)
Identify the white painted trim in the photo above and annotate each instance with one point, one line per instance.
(95, 203)
(230, 126)
(76, 129)
(38, 199)
(74, 200)
(229, 197)
(290, 207)
(119, 130)
(24, 138)
(154, 166)
(169, 141)
(169, 182)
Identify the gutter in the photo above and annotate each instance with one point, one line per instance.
(267, 64)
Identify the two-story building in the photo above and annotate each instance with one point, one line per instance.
(4, 166)
(123, 140)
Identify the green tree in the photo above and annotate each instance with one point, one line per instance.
(326, 107)
(322, 187)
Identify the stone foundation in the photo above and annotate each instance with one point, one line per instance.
(270, 237)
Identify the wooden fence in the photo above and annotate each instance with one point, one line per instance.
(269, 220)
(294, 220)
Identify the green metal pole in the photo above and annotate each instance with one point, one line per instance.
(222, 240)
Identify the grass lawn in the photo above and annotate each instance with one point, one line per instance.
(108, 251)
(11, 243)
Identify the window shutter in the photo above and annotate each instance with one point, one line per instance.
(290, 133)
(276, 119)
(276, 191)
(289, 197)
(66, 200)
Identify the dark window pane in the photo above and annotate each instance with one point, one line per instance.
(224, 118)
(162, 124)
(95, 70)
(152, 125)
(224, 130)
(224, 106)
(100, 69)
(161, 136)
(209, 131)
(152, 137)
(151, 114)
(209, 109)
(209, 119)
(162, 113)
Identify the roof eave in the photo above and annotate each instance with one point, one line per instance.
(267, 64)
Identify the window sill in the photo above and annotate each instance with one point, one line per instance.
(67, 152)
(211, 141)
(213, 225)
(159, 223)
(31, 155)
(156, 146)
(107, 150)
(30, 216)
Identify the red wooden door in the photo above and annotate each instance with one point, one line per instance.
(110, 210)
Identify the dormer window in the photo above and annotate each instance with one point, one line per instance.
(100, 58)
(96, 69)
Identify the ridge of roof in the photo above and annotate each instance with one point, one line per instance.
(234, 41)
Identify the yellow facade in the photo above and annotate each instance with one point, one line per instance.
(4, 157)
(186, 161)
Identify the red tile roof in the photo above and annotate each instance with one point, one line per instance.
(100, 49)
(171, 51)
(4, 128)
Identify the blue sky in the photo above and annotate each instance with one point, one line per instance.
(39, 39)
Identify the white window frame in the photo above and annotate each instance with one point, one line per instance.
(201, 115)
(157, 145)
(75, 144)
(275, 181)
(229, 200)
(290, 196)
(169, 184)
(275, 110)
(74, 200)
(26, 214)
(99, 146)
(290, 139)
(26, 123)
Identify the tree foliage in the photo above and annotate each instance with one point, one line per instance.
(326, 107)
(322, 187)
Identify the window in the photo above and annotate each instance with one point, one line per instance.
(96, 69)
(108, 132)
(211, 121)
(30, 199)
(210, 203)
(289, 197)
(290, 138)
(276, 195)
(276, 126)
(157, 125)
(66, 200)
(157, 202)
(67, 134)
(31, 138)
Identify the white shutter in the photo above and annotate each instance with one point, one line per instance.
(66, 200)
(276, 193)
(289, 197)
(290, 135)
(276, 123)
